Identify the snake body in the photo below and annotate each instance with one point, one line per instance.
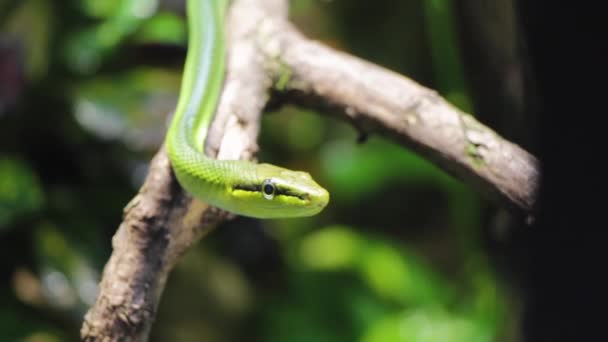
(238, 186)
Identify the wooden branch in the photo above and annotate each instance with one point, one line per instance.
(378, 100)
(162, 222)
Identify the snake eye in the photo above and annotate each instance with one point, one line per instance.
(268, 189)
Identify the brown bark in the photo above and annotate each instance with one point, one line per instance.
(162, 222)
(377, 100)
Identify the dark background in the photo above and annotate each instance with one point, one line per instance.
(567, 254)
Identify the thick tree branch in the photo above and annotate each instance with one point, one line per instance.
(378, 100)
(162, 222)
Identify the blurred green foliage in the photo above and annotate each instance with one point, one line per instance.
(20, 192)
(397, 255)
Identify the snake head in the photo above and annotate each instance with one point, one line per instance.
(275, 192)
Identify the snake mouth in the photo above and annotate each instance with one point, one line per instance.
(246, 187)
(279, 192)
(300, 196)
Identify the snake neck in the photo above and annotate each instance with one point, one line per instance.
(203, 71)
(207, 179)
(200, 87)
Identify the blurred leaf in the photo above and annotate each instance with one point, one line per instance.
(101, 9)
(304, 131)
(445, 52)
(17, 325)
(20, 191)
(460, 100)
(69, 281)
(355, 171)
(391, 274)
(43, 337)
(294, 326)
(428, 325)
(331, 248)
(132, 107)
(315, 307)
(163, 28)
(205, 299)
(441, 30)
(85, 50)
(366, 308)
(293, 132)
(396, 276)
(300, 5)
(32, 23)
(488, 303)
(27, 287)
(52, 247)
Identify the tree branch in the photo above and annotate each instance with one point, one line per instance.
(378, 100)
(162, 222)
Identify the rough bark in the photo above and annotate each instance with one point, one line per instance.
(162, 222)
(377, 100)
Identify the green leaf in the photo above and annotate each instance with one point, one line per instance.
(131, 107)
(101, 9)
(354, 171)
(67, 276)
(20, 191)
(395, 275)
(331, 248)
(163, 28)
(17, 325)
(429, 325)
(86, 49)
(32, 24)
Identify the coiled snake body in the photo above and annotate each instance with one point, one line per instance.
(241, 187)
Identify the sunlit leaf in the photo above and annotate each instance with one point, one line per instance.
(398, 277)
(330, 248)
(428, 325)
(390, 274)
(163, 28)
(101, 9)
(85, 50)
(386, 272)
(489, 303)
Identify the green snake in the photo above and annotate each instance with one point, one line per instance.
(238, 186)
